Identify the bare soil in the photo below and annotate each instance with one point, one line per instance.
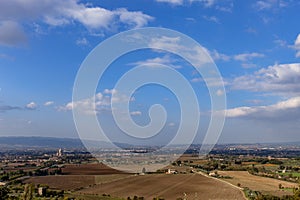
(191, 186)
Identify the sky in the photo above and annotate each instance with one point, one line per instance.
(254, 44)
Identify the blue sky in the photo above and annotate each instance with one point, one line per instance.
(255, 45)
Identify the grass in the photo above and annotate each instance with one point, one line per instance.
(293, 174)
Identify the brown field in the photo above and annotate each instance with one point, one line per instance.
(262, 184)
(78, 176)
(195, 186)
(270, 165)
(89, 169)
(73, 182)
(68, 182)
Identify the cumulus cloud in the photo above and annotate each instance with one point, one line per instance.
(110, 91)
(31, 106)
(135, 19)
(58, 13)
(89, 105)
(283, 78)
(196, 54)
(94, 105)
(11, 34)
(283, 110)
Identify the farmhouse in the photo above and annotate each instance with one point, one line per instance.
(171, 171)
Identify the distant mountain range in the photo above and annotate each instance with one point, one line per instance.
(46, 142)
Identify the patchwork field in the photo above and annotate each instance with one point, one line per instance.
(73, 182)
(262, 184)
(192, 186)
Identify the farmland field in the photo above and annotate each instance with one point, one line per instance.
(194, 186)
(89, 169)
(73, 182)
(78, 176)
(68, 182)
(258, 183)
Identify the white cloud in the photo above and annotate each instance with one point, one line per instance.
(190, 19)
(110, 91)
(263, 5)
(270, 4)
(196, 54)
(220, 92)
(248, 56)
(205, 3)
(101, 101)
(297, 46)
(58, 13)
(11, 34)
(134, 19)
(196, 80)
(249, 65)
(224, 6)
(173, 2)
(135, 113)
(219, 56)
(164, 42)
(165, 60)
(283, 78)
(82, 42)
(49, 103)
(171, 124)
(31, 106)
(89, 105)
(211, 19)
(280, 43)
(283, 110)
